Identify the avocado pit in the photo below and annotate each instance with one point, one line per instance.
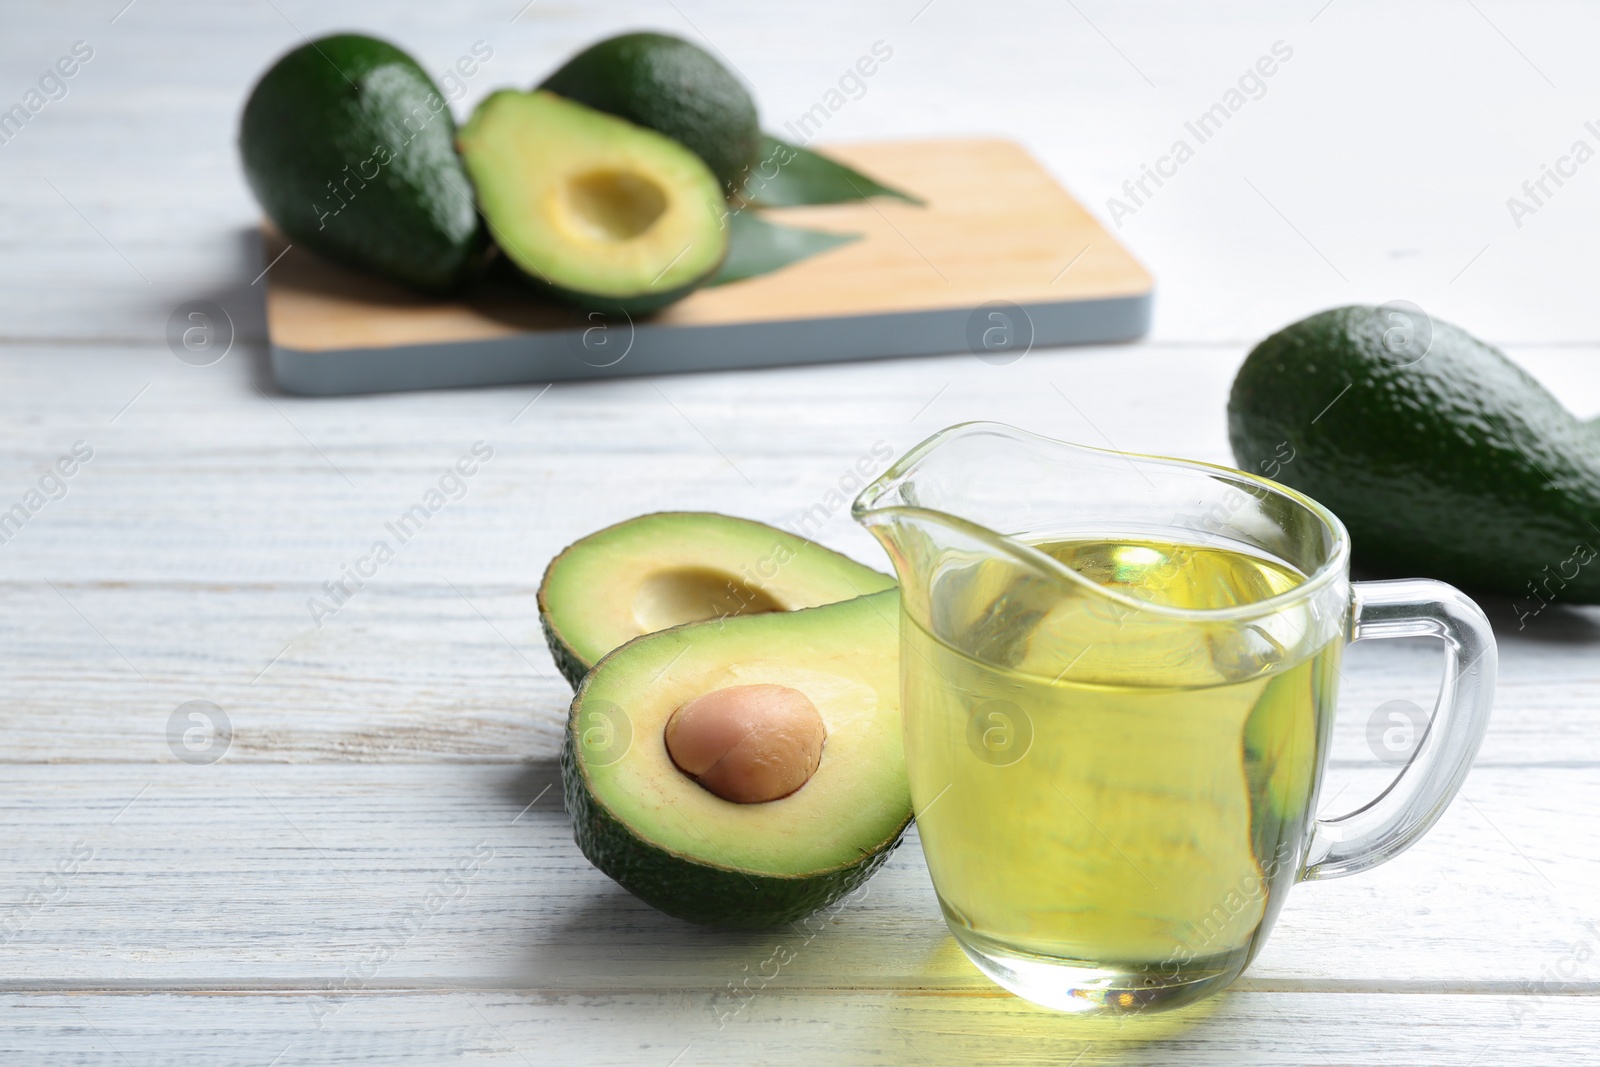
(747, 743)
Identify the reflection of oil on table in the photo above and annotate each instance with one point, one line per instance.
(995, 227)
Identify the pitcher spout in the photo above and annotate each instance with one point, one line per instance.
(1016, 549)
(954, 515)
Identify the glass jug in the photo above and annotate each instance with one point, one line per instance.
(1118, 679)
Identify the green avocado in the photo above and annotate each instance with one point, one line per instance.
(671, 86)
(348, 146)
(688, 852)
(603, 213)
(1443, 457)
(660, 570)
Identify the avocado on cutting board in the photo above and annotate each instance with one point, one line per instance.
(349, 147)
(998, 259)
(1443, 459)
(641, 226)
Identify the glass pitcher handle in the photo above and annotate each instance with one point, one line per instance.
(1413, 802)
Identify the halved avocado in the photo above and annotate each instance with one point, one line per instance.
(607, 214)
(674, 844)
(674, 567)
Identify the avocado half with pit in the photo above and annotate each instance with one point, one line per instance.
(662, 570)
(606, 214)
(668, 838)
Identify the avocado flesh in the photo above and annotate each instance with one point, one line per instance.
(661, 570)
(349, 148)
(671, 86)
(1459, 466)
(693, 855)
(607, 214)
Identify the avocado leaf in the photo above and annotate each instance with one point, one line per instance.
(801, 176)
(757, 246)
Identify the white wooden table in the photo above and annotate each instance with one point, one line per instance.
(379, 870)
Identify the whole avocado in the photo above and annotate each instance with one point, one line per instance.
(349, 147)
(1441, 456)
(673, 87)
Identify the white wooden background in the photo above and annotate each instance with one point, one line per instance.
(255, 911)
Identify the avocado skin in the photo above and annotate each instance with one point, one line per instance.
(618, 310)
(1459, 466)
(572, 668)
(341, 102)
(673, 87)
(641, 304)
(712, 896)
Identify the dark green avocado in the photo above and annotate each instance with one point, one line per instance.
(1444, 459)
(673, 87)
(349, 147)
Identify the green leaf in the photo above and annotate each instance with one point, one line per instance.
(756, 246)
(789, 176)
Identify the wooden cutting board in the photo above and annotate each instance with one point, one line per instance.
(999, 259)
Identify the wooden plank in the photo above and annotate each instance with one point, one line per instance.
(207, 519)
(199, 445)
(245, 876)
(833, 1027)
(449, 669)
(185, 556)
